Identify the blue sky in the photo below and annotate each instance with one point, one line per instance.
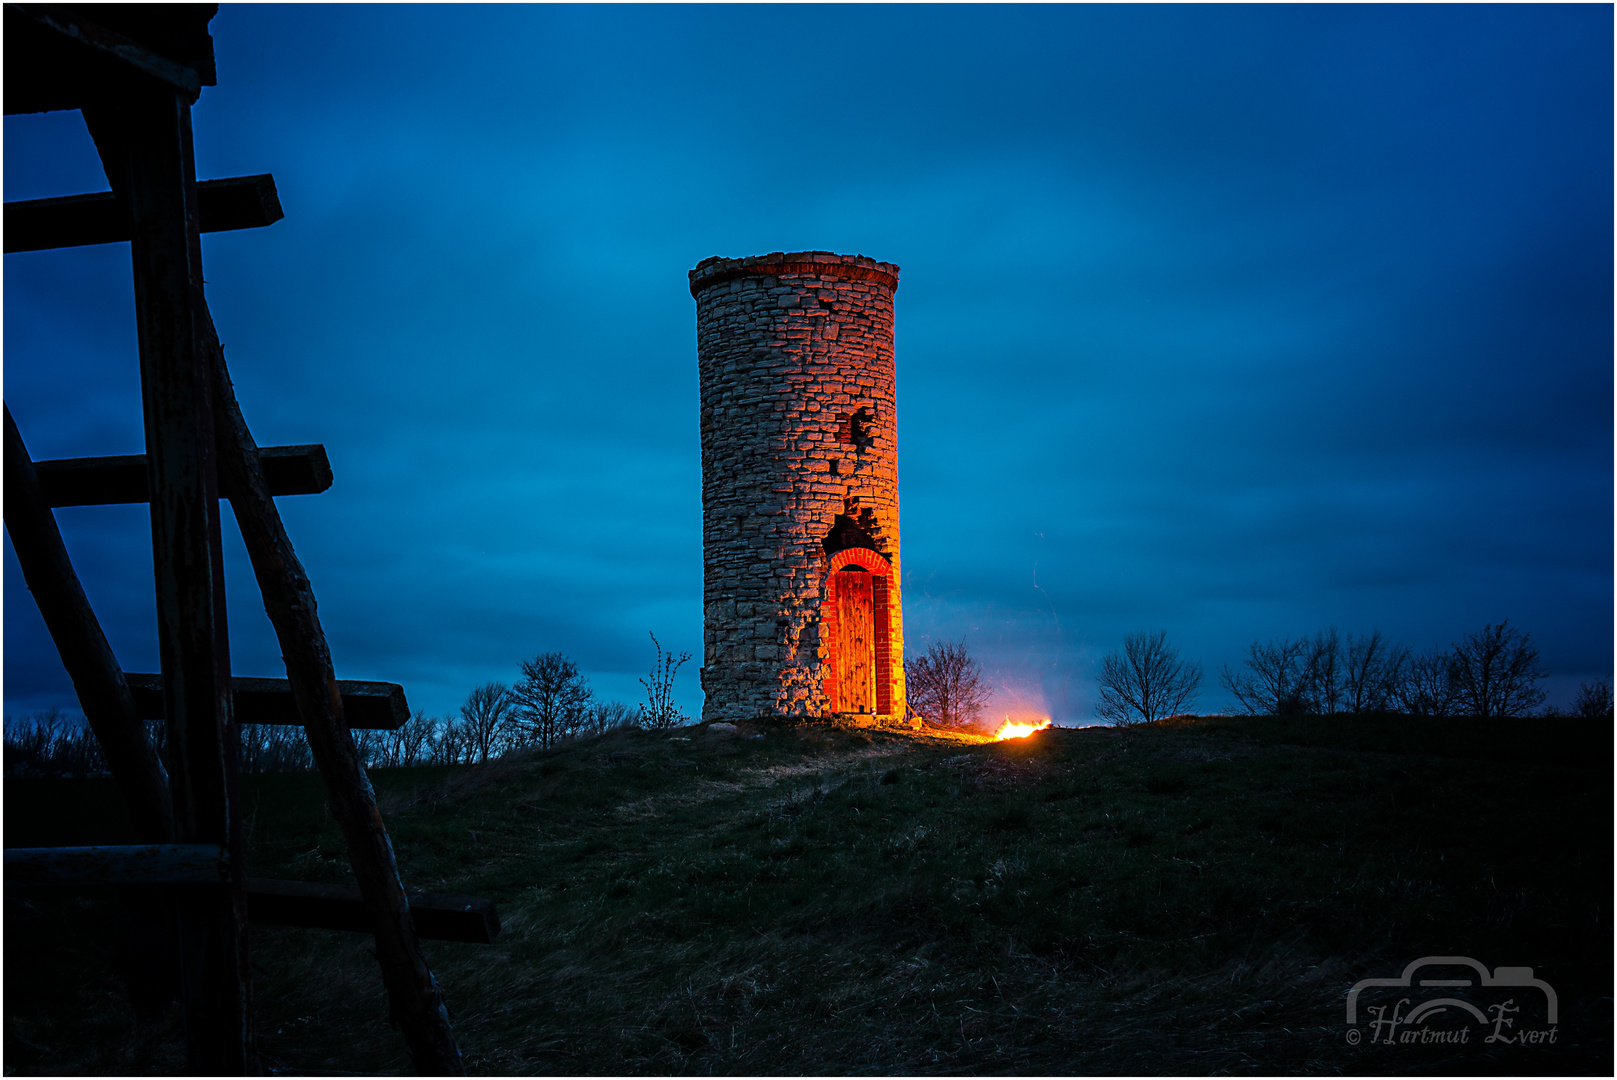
(1236, 322)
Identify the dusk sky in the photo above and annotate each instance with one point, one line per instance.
(1233, 322)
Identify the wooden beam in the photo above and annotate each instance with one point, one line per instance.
(438, 916)
(46, 69)
(143, 135)
(136, 864)
(342, 907)
(104, 481)
(108, 706)
(416, 1003)
(376, 705)
(148, 925)
(239, 202)
(65, 21)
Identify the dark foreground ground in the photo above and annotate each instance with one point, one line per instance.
(1188, 898)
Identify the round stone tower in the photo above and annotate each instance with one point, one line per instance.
(799, 487)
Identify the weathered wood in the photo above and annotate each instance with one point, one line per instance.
(147, 925)
(136, 864)
(105, 481)
(46, 69)
(103, 693)
(853, 646)
(237, 202)
(144, 138)
(415, 1000)
(93, 36)
(375, 705)
(342, 907)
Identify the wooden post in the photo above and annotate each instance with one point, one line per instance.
(144, 137)
(149, 942)
(103, 694)
(416, 1003)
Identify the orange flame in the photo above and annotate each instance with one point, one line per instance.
(1020, 731)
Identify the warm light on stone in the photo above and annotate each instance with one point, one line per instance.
(800, 550)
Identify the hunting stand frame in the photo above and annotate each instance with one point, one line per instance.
(135, 71)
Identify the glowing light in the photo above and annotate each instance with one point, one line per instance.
(1020, 730)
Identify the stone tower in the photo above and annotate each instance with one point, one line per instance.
(800, 557)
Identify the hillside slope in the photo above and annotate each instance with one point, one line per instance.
(1191, 897)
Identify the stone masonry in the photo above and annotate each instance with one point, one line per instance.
(800, 542)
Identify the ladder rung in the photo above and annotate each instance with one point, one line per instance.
(237, 202)
(341, 907)
(137, 864)
(378, 705)
(103, 481)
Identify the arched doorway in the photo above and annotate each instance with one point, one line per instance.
(855, 625)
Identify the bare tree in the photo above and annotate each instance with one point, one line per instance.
(551, 699)
(1276, 681)
(1593, 701)
(487, 714)
(1147, 681)
(268, 748)
(370, 744)
(946, 685)
(1323, 674)
(607, 716)
(659, 709)
(1371, 674)
(51, 743)
(1496, 672)
(453, 745)
(1426, 685)
(413, 742)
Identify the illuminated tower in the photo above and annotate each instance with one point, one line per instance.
(800, 555)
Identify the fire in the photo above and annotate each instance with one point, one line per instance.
(1020, 731)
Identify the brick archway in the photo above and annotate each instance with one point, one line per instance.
(856, 625)
(873, 561)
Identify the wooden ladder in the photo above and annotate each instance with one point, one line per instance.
(134, 72)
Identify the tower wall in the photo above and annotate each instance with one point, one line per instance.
(799, 484)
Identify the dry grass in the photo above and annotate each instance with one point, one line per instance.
(1185, 897)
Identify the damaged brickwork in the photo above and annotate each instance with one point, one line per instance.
(800, 541)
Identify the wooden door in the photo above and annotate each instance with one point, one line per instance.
(854, 640)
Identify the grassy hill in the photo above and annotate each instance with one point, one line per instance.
(1188, 897)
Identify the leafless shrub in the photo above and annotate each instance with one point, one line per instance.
(1147, 681)
(659, 710)
(1593, 701)
(946, 685)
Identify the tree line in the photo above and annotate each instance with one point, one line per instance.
(1494, 672)
(551, 702)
